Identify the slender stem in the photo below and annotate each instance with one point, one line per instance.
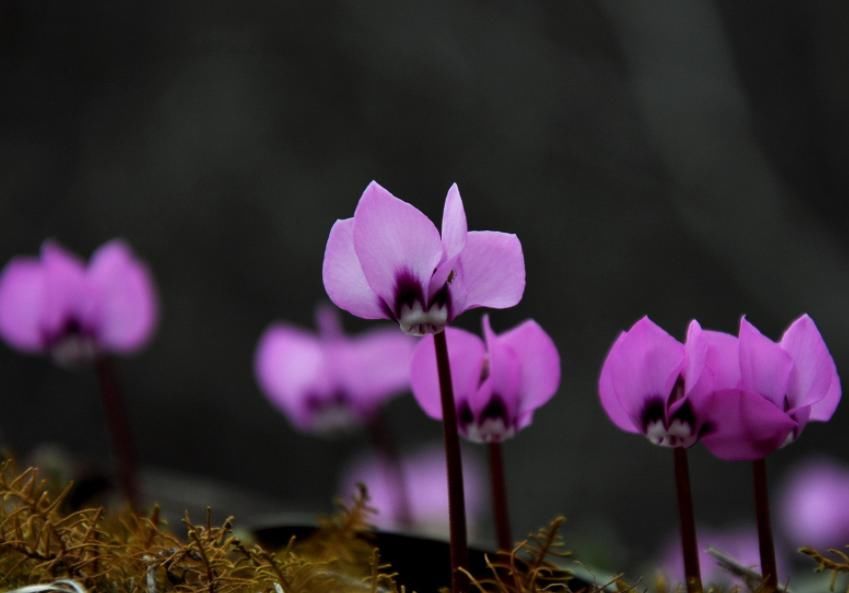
(454, 464)
(119, 428)
(387, 451)
(769, 570)
(500, 508)
(687, 522)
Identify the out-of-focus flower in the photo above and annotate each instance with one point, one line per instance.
(59, 305)
(424, 485)
(814, 509)
(652, 384)
(327, 381)
(389, 261)
(781, 387)
(739, 543)
(498, 382)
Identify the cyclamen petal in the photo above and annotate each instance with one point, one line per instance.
(745, 426)
(343, 276)
(713, 362)
(491, 271)
(21, 297)
(291, 369)
(57, 303)
(123, 304)
(539, 362)
(389, 261)
(814, 381)
(764, 367)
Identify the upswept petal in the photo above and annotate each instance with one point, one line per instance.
(290, 365)
(21, 297)
(744, 426)
(644, 363)
(343, 276)
(490, 272)
(374, 366)
(454, 226)
(392, 237)
(823, 410)
(122, 304)
(466, 355)
(609, 398)
(764, 367)
(504, 374)
(713, 362)
(539, 362)
(65, 291)
(454, 232)
(814, 381)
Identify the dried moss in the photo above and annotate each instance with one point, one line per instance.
(131, 553)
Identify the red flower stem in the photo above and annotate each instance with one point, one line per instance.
(687, 522)
(500, 508)
(769, 570)
(383, 443)
(119, 428)
(454, 464)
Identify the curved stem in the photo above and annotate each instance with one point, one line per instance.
(500, 508)
(769, 569)
(454, 465)
(119, 429)
(687, 521)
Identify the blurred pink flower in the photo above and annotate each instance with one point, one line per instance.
(780, 388)
(425, 484)
(59, 305)
(389, 261)
(498, 382)
(813, 503)
(328, 381)
(740, 543)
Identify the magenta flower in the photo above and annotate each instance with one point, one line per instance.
(652, 384)
(498, 382)
(327, 381)
(813, 505)
(425, 485)
(780, 388)
(390, 262)
(740, 543)
(59, 305)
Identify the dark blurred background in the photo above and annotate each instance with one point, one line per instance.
(683, 160)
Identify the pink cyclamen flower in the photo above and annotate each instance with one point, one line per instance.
(780, 387)
(652, 384)
(498, 382)
(328, 381)
(58, 304)
(740, 543)
(390, 262)
(425, 486)
(813, 505)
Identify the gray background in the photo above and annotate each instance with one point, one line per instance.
(682, 159)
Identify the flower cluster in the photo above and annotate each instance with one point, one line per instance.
(743, 396)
